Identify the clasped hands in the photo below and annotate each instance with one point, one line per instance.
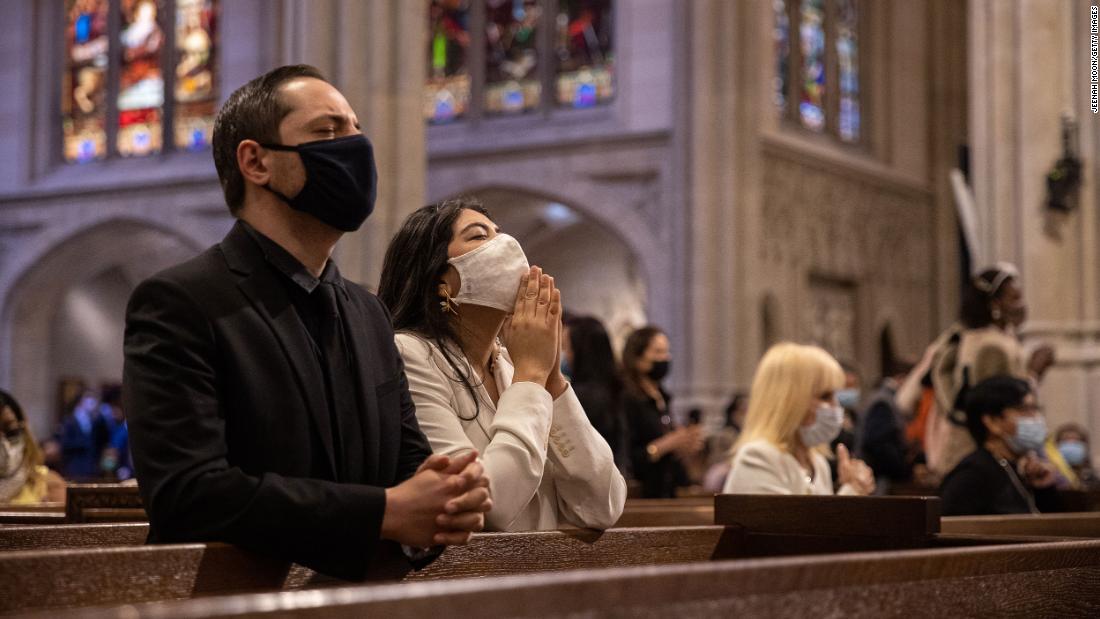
(442, 504)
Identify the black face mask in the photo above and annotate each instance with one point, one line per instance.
(341, 181)
(658, 371)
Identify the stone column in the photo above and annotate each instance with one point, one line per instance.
(1029, 66)
(374, 52)
(718, 136)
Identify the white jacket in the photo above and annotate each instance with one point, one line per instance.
(759, 467)
(545, 462)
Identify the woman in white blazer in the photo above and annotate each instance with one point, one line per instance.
(793, 416)
(456, 288)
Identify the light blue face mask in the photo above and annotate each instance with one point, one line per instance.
(848, 398)
(1074, 452)
(1030, 434)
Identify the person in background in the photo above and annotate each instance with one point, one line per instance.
(589, 363)
(115, 458)
(882, 442)
(848, 398)
(721, 442)
(985, 344)
(1004, 474)
(793, 416)
(84, 434)
(1068, 450)
(479, 330)
(24, 479)
(658, 446)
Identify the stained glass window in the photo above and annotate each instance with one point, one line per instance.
(141, 80)
(811, 103)
(782, 38)
(817, 79)
(511, 55)
(584, 52)
(122, 52)
(847, 52)
(447, 94)
(528, 55)
(84, 81)
(196, 93)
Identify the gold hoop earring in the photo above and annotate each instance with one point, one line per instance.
(448, 305)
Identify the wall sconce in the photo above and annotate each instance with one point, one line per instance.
(1064, 179)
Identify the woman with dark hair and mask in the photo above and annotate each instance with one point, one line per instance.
(480, 333)
(24, 479)
(1004, 475)
(658, 446)
(985, 345)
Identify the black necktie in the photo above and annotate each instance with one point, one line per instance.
(341, 387)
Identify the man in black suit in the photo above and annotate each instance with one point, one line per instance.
(267, 403)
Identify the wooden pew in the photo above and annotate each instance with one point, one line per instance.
(1085, 524)
(103, 503)
(61, 536)
(773, 525)
(86, 576)
(83, 503)
(1051, 579)
(695, 511)
(23, 518)
(59, 578)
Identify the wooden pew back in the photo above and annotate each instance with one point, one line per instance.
(1040, 579)
(62, 536)
(1062, 525)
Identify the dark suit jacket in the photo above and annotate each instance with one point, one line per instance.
(228, 421)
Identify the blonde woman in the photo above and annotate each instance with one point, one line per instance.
(793, 416)
(23, 478)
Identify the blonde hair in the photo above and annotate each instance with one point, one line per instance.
(788, 379)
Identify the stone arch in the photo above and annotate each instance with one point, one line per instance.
(567, 237)
(114, 255)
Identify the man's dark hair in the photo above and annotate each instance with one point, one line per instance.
(991, 397)
(411, 273)
(252, 112)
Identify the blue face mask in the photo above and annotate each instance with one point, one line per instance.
(1074, 452)
(566, 369)
(1030, 434)
(848, 398)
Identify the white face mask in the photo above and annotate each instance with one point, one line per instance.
(826, 426)
(11, 456)
(491, 273)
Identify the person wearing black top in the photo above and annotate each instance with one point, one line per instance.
(657, 445)
(597, 381)
(1003, 475)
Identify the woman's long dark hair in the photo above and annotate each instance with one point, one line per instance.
(593, 359)
(633, 349)
(415, 262)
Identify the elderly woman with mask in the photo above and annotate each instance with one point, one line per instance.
(793, 416)
(480, 333)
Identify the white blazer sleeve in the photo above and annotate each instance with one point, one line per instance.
(757, 470)
(515, 458)
(591, 491)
